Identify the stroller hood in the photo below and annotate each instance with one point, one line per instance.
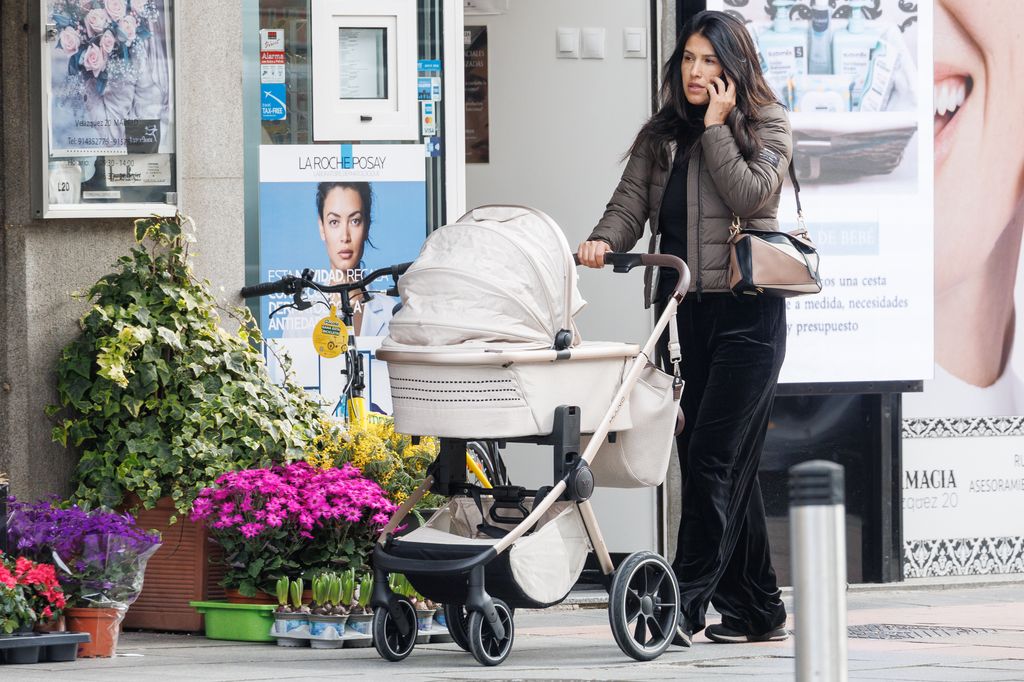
(500, 275)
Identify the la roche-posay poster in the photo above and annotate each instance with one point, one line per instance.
(341, 211)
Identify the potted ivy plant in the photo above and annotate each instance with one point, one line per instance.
(160, 396)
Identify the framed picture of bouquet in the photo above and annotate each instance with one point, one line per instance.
(108, 123)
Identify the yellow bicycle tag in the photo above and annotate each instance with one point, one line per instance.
(330, 336)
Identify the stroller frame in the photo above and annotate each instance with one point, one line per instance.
(572, 481)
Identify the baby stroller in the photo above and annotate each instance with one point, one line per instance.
(484, 347)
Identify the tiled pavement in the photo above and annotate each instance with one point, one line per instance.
(968, 631)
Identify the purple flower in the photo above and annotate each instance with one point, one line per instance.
(292, 515)
(101, 554)
(251, 530)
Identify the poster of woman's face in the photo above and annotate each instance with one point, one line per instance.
(979, 211)
(344, 217)
(339, 229)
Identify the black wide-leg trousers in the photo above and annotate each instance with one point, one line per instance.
(733, 348)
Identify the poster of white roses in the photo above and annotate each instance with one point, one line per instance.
(111, 77)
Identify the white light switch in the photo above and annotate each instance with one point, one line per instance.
(593, 43)
(634, 42)
(568, 43)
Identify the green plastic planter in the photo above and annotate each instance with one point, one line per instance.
(237, 622)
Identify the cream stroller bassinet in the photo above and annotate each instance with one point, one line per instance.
(484, 347)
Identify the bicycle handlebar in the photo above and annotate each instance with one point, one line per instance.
(292, 284)
(281, 286)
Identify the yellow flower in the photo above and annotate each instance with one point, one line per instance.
(377, 450)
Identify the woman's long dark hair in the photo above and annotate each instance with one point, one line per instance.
(735, 50)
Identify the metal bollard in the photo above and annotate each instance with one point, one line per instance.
(818, 556)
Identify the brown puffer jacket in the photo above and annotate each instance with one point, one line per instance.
(720, 184)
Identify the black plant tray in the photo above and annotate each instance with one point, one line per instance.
(54, 647)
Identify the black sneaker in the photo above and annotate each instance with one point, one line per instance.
(684, 634)
(724, 635)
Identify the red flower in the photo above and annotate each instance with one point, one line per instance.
(40, 584)
(23, 565)
(6, 578)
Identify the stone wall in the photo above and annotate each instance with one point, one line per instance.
(43, 261)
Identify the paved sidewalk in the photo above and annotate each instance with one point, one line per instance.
(912, 631)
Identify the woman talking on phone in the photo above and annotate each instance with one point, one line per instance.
(717, 149)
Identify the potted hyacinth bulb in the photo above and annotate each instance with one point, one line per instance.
(360, 615)
(327, 617)
(348, 590)
(281, 588)
(291, 620)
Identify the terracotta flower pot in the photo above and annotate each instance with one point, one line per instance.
(235, 597)
(57, 625)
(181, 571)
(103, 627)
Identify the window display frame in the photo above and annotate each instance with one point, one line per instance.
(393, 118)
(167, 147)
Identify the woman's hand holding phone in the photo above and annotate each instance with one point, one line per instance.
(723, 100)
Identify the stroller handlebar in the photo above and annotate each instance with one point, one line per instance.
(624, 262)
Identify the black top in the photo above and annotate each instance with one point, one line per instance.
(672, 216)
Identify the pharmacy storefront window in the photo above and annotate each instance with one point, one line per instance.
(342, 177)
(107, 115)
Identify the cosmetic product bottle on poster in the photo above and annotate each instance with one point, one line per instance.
(878, 86)
(819, 60)
(851, 49)
(783, 47)
(820, 93)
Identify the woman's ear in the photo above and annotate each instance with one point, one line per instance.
(323, 235)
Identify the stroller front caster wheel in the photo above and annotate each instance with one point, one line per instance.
(391, 643)
(644, 605)
(486, 648)
(457, 619)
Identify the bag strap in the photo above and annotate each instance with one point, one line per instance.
(801, 224)
(796, 190)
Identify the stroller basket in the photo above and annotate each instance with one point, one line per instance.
(537, 571)
(469, 395)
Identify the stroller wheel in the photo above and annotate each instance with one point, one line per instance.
(485, 647)
(457, 619)
(643, 605)
(391, 644)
